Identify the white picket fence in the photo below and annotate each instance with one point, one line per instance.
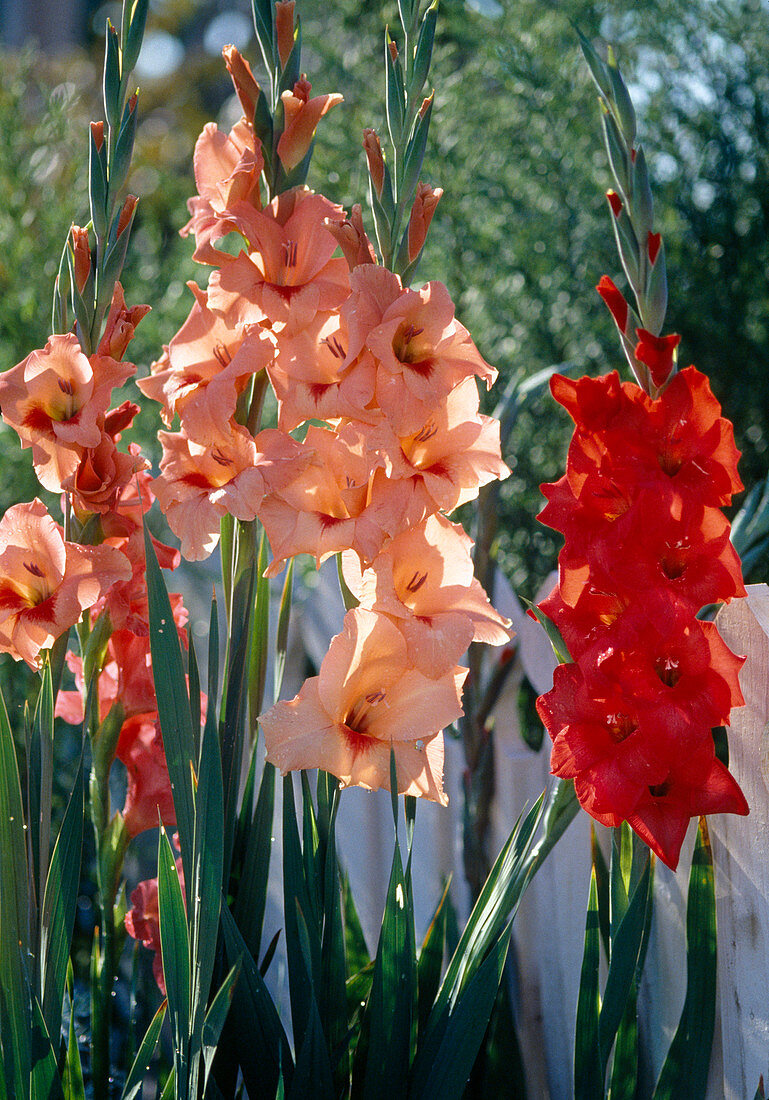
(549, 928)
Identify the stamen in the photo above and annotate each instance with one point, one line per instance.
(427, 432)
(290, 251)
(334, 347)
(217, 456)
(222, 355)
(34, 569)
(66, 386)
(416, 582)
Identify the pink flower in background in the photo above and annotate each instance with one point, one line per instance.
(142, 921)
(149, 799)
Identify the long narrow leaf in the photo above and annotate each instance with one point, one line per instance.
(215, 1017)
(262, 1046)
(14, 933)
(391, 1001)
(588, 1070)
(59, 903)
(295, 893)
(466, 1027)
(251, 899)
(623, 965)
(685, 1070)
(72, 1078)
(135, 1079)
(175, 950)
(173, 703)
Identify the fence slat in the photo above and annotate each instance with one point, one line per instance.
(741, 853)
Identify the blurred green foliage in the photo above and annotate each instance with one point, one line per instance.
(521, 235)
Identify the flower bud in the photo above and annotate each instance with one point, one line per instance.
(82, 254)
(425, 202)
(284, 27)
(352, 239)
(126, 214)
(375, 160)
(246, 86)
(97, 132)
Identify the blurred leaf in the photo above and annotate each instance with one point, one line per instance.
(685, 1070)
(281, 638)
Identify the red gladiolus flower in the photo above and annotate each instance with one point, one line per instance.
(646, 547)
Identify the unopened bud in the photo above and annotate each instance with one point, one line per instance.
(615, 202)
(97, 132)
(653, 242)
(425, 202)
(393, 50)
(352, 239)
(426, 104)
(126, 214)
(614, 301)
(246, 86)
(284, 27)
(82, 256)
(376, 167)
(117, 420)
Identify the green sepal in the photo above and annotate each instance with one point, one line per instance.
(424, 51)
(621, 99)
(264, 25)
(415, 153)
(598, 68)
(111, 85)
(292, 71)
(133, 34)
(656, 296)
(619, 159)
(97, 185)
(263, 127)
(124, 148)
(395, 94)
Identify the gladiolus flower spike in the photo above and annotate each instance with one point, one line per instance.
(646, 547)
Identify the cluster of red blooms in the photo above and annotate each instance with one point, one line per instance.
(646, 548)
(387, 376)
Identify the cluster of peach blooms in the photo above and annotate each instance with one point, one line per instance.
(386, 377)
(58, 400)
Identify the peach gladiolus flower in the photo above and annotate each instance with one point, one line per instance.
(341, 499)
(149, 798)
(199, 484)
(55, 399)
(423, 580)
(288, 273)
(205, 368)
(227, 170)
(120, 325)
(453, 454)
(104, 472)
(366, 698)
(46, 583)
(302, 116)
(421, 350)
(313, 378)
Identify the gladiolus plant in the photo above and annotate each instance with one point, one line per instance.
(319, 400)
